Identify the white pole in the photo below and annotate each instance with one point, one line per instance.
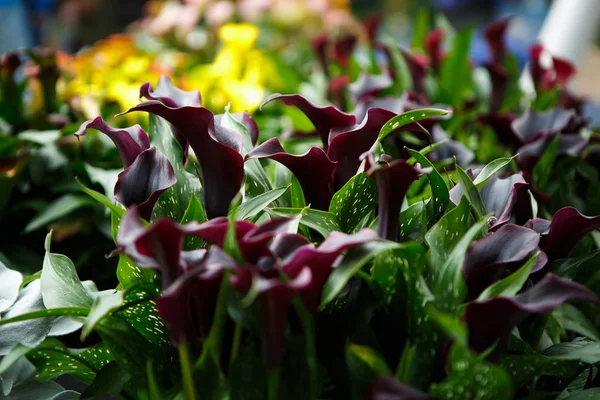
(567, 32)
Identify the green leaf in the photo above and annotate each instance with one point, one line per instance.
(107, 178)
(451, 325)
(471, 193)
(174, 201)
(391, 269)
(405, 363)
(422, 26)
(128, 347)
(411, 222)
(108, 381)
(542, 171)
(450, 288)
(248, 209)
(580, 350)
(130, 275)
(321, 221)
(60, 284)
(470, 378)
(143, 317)
(511, 285)
(102, 306)
(52, 359)
(352, 262)
(490, 169)
(569, 267)
(571, 319)
(409, 117)
(58, 209)
(365, 365)
(297, 194)
(588, 394)
(440, 195)
(524, 368)
(102, 199)
(193, 212)
(403, 80)
(356, 199)
(447, 232)
(455, 73)
(426, 150)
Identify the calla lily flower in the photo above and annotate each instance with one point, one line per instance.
(567, 228)
(276, 265)
(213, 144)
(319, 172)
(495, 36)
(507, 198)
(433, 44)
(558, 74)
(487, 259)
(393, 180)
(490, 321)
(148, 172)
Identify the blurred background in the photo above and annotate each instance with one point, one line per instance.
(71, 25)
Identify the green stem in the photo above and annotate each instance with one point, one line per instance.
(189, 389)
(308, 324)
(273, 383)
(235, 346)
(212, 344)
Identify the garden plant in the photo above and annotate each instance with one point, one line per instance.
(401, 224)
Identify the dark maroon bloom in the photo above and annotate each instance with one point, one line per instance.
(388, 388)
(495, 37)
(568, 145)
(501, 123)
(324, 118)
(507, 198)
(488, 259)
(449, 149)
(172, 96)
(143, 182)
(567, 228)
(213, 144)
(499, 78)
(148, 173)
(343, 48)
(371, 26)
(393, 180)
(548, 122)
(369, 85)
(417, 66)
(319, 45)
(544, 77)
(313, 169)
(490, 321)
(433, 43)
(130, 142)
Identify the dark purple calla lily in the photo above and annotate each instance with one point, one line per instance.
(507, 198)
(552, 121)
(568, 145)
(495, 36)
(417, 65)
(487, 259)
(371, 26)
(343, 48)
(490, 321)
(319, 45)
(393, 180)
(213, 144)
(567, 228)
(501, 123)
(148, 173)
(388, 388)
(143, 182)
(499, 78)
(172, 96)
(130, 142)
(449, 149)
(433, 44)
(324, 118)
(313, 169)
(369, 85)
(544, 77)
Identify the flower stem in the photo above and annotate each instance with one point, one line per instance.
(273, 383)
(189, 389)
(235, 346)
(308, 324)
